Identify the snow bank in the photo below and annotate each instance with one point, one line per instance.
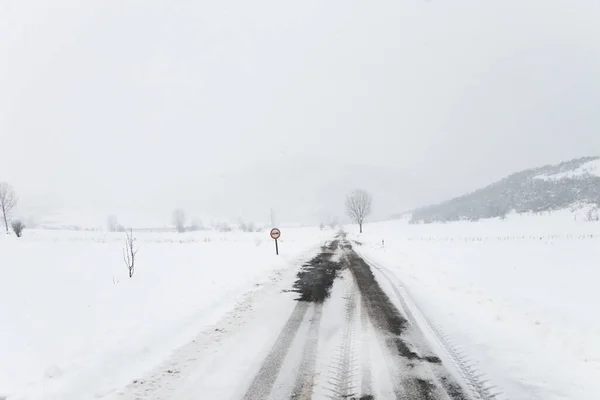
(74, 326)
(519, 296)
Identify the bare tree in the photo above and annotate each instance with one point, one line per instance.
(112, 223)
(358, 206)
(592, 215)
(179, 220)
(129, 252)
(8, 201)
(18, 227)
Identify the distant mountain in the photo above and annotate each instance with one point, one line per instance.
(551, 187)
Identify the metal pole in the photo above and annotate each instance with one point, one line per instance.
(276, 247)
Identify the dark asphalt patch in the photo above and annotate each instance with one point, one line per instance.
(315, 278)
(452, 388)
(425, 389)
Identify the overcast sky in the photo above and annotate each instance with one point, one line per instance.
(129, 102)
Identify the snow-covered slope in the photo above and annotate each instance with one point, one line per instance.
(590, 168)
(569, 184)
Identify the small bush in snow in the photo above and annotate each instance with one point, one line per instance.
(18, 227)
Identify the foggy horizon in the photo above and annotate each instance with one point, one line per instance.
(145, 106)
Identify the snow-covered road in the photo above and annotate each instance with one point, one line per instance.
(329, 330)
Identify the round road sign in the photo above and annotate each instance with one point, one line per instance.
(275, 233)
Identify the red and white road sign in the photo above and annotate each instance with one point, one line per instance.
(275, 233)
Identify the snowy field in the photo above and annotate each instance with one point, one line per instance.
(518, 297)
(74, 326)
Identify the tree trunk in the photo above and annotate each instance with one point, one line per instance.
(360, 225)
(5, 222)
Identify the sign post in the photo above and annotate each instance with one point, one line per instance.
(275, 234)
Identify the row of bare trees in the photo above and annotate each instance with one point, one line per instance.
(358, 208)
(178, 220)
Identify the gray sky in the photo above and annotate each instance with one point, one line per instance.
(139, 104)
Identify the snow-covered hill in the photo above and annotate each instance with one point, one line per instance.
(571, 185)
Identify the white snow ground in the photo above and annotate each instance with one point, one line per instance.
(271, 347)
(519, 297)
(74, 326)
(222, 361)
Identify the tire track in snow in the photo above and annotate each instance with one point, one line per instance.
(478, 386)
(413, 375)
(313, 285)
(267, 374)
(366, 385)
(344, 367)
(303, 387)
